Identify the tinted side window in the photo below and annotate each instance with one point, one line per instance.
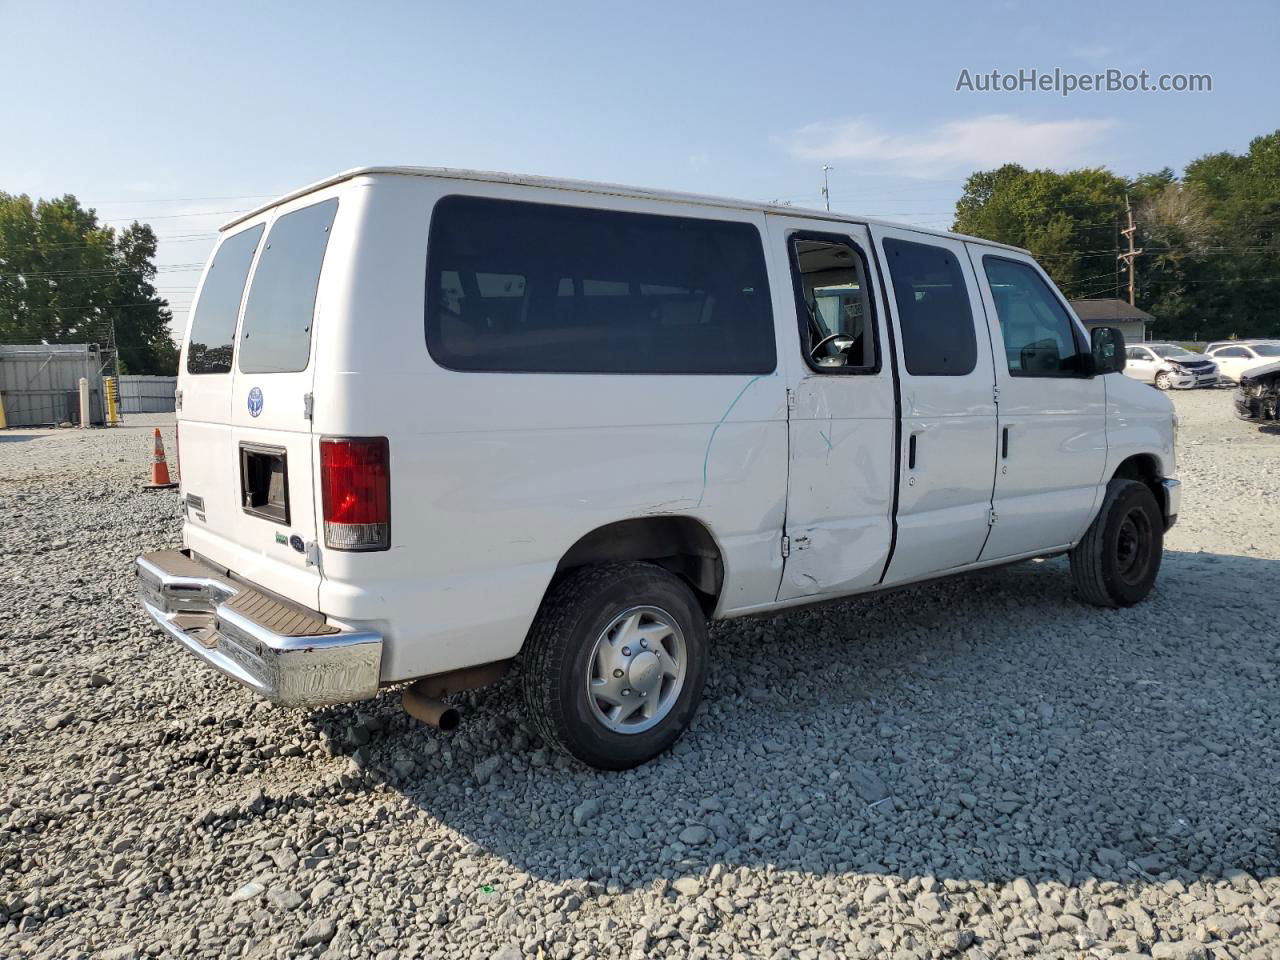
(276, 334)
(213, 328)
(938, 338)
(530, 287)
(1039, 337)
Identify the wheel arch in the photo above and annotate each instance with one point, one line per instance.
(680, 544)
(1145, 468)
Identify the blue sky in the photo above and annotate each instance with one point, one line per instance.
(179, 113)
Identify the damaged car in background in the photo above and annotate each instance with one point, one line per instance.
(1258, 396)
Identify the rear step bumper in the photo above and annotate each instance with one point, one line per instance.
(287, 654)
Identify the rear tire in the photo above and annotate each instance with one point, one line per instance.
(615, 663)
(1116, 563)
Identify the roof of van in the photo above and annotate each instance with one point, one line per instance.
(607, 189)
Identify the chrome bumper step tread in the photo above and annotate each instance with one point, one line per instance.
(278, 617)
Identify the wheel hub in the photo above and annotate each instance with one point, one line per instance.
(644, 671)
(1133, 547)
(636, 670)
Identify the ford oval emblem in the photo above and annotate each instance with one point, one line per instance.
(296, 542)
(255, 401)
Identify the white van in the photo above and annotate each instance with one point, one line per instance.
(431, 420)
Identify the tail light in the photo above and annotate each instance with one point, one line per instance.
(355, 490)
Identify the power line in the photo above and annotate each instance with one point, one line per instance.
(176, 216)
(107, 272)
(242, 196)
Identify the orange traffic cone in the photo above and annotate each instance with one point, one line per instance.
(159, 468)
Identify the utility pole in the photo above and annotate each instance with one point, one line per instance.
(1131, 257)
(826, 189)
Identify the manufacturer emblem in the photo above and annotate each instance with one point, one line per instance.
(296, 542)
(255, 401)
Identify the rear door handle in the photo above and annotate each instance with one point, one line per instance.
(1004, 444)
(911, 452)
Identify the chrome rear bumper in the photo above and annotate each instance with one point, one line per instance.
(288, 655)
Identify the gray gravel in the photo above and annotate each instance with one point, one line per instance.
(984, 767)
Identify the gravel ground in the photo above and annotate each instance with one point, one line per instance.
(984, 767)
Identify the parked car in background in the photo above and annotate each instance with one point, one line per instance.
(433, 420)
(1258, 396)
(1213, 345)
(1236, 359)
(1169, 366)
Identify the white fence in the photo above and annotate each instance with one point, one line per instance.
(147, 394)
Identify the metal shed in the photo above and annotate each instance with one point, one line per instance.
(40, 383)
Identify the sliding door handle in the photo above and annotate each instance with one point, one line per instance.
(1004, 444)
(911, 452)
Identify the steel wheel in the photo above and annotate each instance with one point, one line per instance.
(1116, 563)
(1133, 546)
(637, 670)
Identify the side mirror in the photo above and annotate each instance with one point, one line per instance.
(1107, 350)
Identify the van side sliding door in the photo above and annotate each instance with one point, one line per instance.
(841, 414)
(948, 432)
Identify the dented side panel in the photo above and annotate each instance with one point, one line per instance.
(494, 476)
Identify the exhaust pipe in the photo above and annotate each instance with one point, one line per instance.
(421, 700)
(430, 711)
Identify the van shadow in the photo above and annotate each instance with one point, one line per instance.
(1011, 731)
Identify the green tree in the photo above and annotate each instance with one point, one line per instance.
(1242, 196)
(1210, 239)
(1067, 220)
(65, 278)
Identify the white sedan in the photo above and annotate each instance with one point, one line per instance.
(1168, 366)
(1238, 359)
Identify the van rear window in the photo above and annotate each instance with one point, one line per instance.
(213, 328)
(275, 336)
(539, 288)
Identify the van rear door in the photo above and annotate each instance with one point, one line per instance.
(206, 471)
(270, 538)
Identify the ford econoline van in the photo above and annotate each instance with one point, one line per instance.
(435, 424)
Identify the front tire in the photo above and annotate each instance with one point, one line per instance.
(615, 663)
(1116, 563)
(1163, 382)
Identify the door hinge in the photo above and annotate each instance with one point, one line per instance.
(308, 404)
(177, 399)
(992, 518)
(786, 547)
(791, 399)
(995, 394)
